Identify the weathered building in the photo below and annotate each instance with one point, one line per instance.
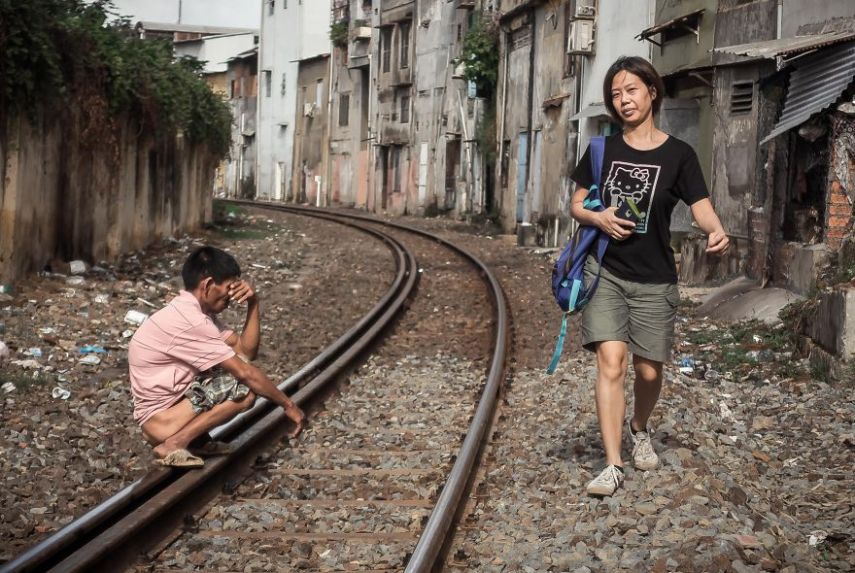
(242, 77)
(538, 93)
(424, 153)
(291, 31)
(311, 144)
(350, 82)
(214, 52)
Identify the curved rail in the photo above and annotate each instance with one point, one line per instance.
(438, 529)
(108, 534)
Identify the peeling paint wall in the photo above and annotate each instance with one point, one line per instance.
(63, 198)
(536, 100)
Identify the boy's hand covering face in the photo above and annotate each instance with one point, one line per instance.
(241, 290)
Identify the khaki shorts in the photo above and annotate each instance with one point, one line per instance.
(206, 391)
(640, 314)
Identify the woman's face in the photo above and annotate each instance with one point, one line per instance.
(631, 98)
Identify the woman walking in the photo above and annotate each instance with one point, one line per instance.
(645, 173)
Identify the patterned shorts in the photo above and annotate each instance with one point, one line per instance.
(209, 389)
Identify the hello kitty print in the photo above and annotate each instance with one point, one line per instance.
(638, 182)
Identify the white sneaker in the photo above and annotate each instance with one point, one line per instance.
(607, 482)
(643, 455)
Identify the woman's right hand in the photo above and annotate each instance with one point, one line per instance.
(612, 225)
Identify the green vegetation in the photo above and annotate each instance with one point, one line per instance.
(59, 52)
(741, 346)
(480, 55)
(232, 222)
(338, 34)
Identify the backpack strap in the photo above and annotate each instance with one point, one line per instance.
(593, 202)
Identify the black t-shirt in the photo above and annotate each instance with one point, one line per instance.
(655, 180)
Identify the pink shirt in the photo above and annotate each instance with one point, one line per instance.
(169, 350)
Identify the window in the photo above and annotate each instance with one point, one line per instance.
(386, 41)
(268, 81)
(283, 85)
(405, 109)
(404, 32)
(343, 110)
(233, 90)
(319, 94)
(284, 4)
(741, 98)
(271, 6)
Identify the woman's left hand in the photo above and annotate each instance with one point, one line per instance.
(717, 242)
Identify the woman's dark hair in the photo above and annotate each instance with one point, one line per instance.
(208, 262)
(641, 68)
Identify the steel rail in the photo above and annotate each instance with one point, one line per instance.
(101, 531)
(432, 542)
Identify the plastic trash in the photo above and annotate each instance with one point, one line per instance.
(90, 359)
(817, 538)
(77, 267)
(128, 333)
(75, 281)
(34, 352)
(102, 298)
(4, 351)
(60, 393)
(711, 375)
(687, 365)
(135, 317)
(8, 387)
(6, 289)
(92, 349)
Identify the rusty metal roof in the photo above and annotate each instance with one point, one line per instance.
(678, 21)
(817, 82)
(787, 46)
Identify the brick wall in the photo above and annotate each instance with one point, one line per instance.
(838, 218)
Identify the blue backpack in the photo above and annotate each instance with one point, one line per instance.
(568, 282)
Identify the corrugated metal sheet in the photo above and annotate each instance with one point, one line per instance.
(816, 83)
(786, 46)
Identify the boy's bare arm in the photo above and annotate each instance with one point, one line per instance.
(259, 383)
(250, 338)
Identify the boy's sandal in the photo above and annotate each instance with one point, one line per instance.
(180, 459)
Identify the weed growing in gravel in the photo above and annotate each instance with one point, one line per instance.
(742, 346)
(24, 380)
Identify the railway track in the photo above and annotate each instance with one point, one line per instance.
(392, 481)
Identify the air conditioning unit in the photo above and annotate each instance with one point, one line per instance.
(581, 40)
(586, 8)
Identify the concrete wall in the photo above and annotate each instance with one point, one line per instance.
(617, 24)
(814, 16)
(65, 195)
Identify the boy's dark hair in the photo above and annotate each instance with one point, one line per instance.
(208, 262)
(641, 68)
